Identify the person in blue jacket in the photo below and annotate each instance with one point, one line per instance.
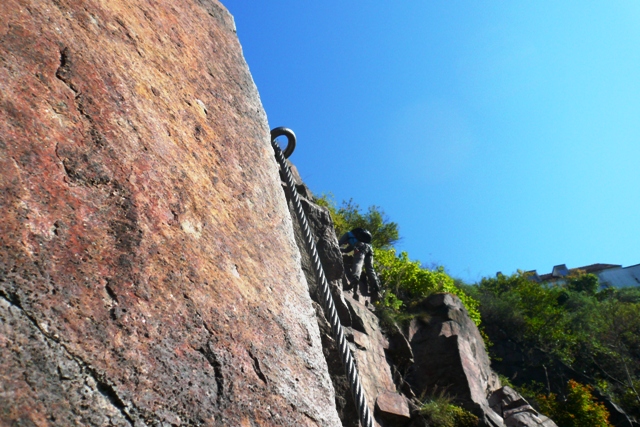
(358, 240)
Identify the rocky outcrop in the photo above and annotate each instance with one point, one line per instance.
(515, 410)
(393, 408)
(450, 357)
(369, 345)
(146, 249)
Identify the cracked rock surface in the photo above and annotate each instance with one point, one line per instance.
(146, 250)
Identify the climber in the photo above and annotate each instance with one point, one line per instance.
(358, 240)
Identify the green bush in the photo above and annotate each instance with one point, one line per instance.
(579, 409)
(348, 216)
(407, 281)
(531, 311)
(440, 412)
(581, 282)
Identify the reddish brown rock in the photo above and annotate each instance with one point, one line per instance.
(368, 349)
(393, 408)
(449, 355)
(362, 329)
(148, 271)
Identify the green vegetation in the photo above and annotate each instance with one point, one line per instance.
(587, 283)
(526, 309)
(406, 282)
(579, 409)
(576, 327)
(439, 411)
(349, 216)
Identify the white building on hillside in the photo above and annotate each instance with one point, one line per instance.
(621, 277)
(614, 275)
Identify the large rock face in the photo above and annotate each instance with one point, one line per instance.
(449, 353)
(369, 345)
(146, 250)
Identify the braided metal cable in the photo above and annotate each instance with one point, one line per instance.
(327, 298)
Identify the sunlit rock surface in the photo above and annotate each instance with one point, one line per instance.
(450, 356)
(148, 271)
(449, 352)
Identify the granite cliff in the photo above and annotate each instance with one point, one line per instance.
(150, 271)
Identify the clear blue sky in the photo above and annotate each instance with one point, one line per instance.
(499, 135)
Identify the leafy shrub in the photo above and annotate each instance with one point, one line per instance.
(349, 216)
(392, 301)
(529, 310)
(581, 282)
(579, 409)
(407, 281)
(441, 412)
(629, 295)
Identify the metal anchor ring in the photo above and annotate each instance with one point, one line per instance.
(291, 139)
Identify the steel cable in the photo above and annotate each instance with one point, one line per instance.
(327, 298)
